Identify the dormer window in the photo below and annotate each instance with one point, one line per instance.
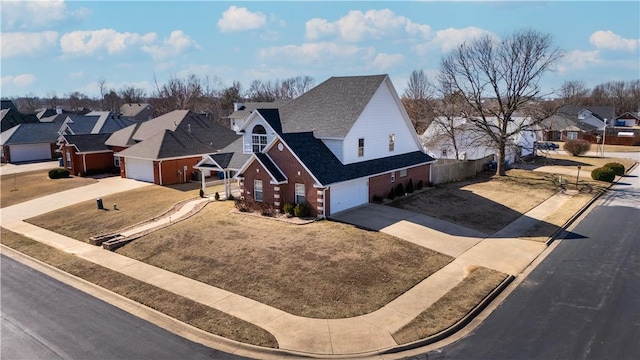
(392, 142)
(258, 138)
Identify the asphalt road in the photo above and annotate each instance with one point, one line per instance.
(581, 302)
(43, 318)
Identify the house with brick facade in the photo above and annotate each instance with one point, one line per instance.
(333, 148)
(164, 150)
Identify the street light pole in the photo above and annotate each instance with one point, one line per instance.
(604, 135)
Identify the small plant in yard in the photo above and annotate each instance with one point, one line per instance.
(58, 173)
(419, 185)
(301, 210)
(216, 196)
(603, 174)
(392, 194)
(287, 208)
(617, 168)
(243, 205)
(267, 209)
(201, 193)
(399, 189)
(409, 188)
(577, 147)
(231, 197)
(377, 198)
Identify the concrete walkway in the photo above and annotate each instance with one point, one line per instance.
(361, 334)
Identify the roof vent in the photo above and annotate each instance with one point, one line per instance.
(189, 127)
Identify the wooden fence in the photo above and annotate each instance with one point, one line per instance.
(447, 170)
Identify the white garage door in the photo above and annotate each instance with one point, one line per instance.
(29, 152)
(139, 169)
(349, 194)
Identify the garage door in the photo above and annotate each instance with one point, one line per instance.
(29, 152)
(139, 169)
(349, 194)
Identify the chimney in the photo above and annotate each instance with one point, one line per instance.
(58, 110)
(236, 106)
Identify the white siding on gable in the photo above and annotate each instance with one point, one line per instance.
(246, 137)
(380, 118)
(335, 146)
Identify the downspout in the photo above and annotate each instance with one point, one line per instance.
(84, 163)
(160, 171)
(202, 180)
(324, 202)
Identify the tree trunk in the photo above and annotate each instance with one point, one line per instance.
(501, 169)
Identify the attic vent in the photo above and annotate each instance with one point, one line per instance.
(189, 127)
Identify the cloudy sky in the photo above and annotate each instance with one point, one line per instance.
(58, 46)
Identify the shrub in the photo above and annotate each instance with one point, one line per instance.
(617, 168)
(301, 210)
(58, 173)
(419, 185)
(409, 188)
(577, 147)
(431, 184)
(287, 208)
(201, 193)
(392, 194)
(399, 189)
(603, 174)
(377, 198)
(267, 209)
(243, 205)
(216, 196)
(231, 197)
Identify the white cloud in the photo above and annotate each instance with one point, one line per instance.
(384, 61)
(610, 40)
(76, 74)
(240, 19)
(578, 60)
(310, 53)
(83, 43)
(177, 43)
(38, 14)
(357, 26)
(448, 39)
(25, 43)
(19, 81)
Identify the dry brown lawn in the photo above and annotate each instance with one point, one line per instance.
(452, 307)
(321, 270)
(588, 163)
(178, 307)
(80, 221)
(17, 188)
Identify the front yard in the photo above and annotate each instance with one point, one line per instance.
(17, 188)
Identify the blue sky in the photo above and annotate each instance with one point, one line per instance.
(61, 47)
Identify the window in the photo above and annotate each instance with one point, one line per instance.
(572, 135)
(257, 190)
(116, 161)
(258, 138)
(360, 147)
(392, 142)
(300, 194)
(444, 152)
(393, 177)
(68, 159)
(403, 172)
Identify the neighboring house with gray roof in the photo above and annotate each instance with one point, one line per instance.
(164, 150)
(10, 117)
(337, 146)
(87, 154)
(575, 122)
(137, 111)
(242, 110)
(29, 142)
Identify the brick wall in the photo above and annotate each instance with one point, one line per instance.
(381, 185)
(173, 170)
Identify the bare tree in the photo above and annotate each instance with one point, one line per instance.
(103, 91)
(417, 100)
(132, 94)
(28, 104)
(498, 78)
(112, 102)
(574, 92)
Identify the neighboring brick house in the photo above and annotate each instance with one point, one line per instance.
(87, 154)
(137, 111)
(575, 122)
(164, 150)
(333, 148)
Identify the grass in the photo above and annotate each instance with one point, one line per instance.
(17, 188)
(452, 307)
(80, 221)
(178, 307)
(588, 163)
(320, 270)
(556, 219)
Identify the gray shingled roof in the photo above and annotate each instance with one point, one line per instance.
(169, 121)
(132, 109)
(602, 112)
(271, 167)
(331, 108)
(88, 142)
(10, 118)
(31, 133)
(123, 137)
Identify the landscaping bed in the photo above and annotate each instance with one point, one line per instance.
(320, 270)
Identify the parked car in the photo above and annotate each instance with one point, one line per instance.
(546, 146)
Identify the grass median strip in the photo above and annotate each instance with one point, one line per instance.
(452, 307)
(178, 307)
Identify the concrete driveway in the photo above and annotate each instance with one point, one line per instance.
(423, 230)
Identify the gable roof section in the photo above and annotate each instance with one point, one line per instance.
(338, 102)
(165, 145)
(10, 118)
(81, 124)
(31, 133)
(323, 164)
(271, 167)
(88, 142)
(133, 109)
(169, 121)
(601, 112)
(123, 137)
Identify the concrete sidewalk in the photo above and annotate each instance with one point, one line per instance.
(362, 334)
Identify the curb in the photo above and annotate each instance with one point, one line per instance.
(564, 227)
(458, 325)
